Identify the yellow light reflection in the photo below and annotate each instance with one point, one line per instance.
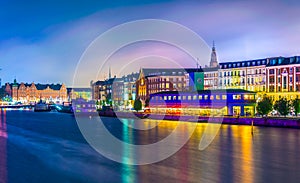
(243, 144)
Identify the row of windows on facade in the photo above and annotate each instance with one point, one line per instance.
(210, 75)
(166, 79)
(204, 97)
(164, 73)
(243, 64)
(258, 80)
(242, 73)
(272, 79)
(279, 71)
(284, 87)
(166, 85)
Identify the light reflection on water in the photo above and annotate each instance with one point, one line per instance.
(3, 153)
(128, 174)
(270, 155)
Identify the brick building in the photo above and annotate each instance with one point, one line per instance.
(25, 93)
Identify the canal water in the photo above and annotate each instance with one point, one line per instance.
(48, 147)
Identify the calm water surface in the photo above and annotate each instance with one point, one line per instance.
(48, 147)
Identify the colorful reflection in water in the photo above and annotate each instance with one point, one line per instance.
(128, 174)
(3, 153)
(47, 147)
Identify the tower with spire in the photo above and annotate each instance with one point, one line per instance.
(109, 73)
(213, 58)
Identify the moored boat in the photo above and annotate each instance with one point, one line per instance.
(41, 107)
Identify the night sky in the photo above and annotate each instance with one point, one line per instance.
(42, 41)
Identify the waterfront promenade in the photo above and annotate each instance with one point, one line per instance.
(48, 147)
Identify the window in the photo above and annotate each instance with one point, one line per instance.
(170, 98)
(183, 97)
(165, 97)
(249, 97)
(195, 97)
(189, 97)
(224, 97)
(291, 79)
(200, 97)
(218, 97)
(236, 97)
(271, 71)
(211, 97)
(179, 97)
(205, 97)
(284, 82)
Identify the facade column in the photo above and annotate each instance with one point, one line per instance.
(230, 110)
(294, 78)
(242, 110)
(275, 79)
(267, 80)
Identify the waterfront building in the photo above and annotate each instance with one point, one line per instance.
(153, 80)
(27, 93)
(283, 77)
(211, 78)
(129, 92)
(82, 106)
(117, 92)
(75, 93)
(98, 90)
(247, 75)
(204, 102)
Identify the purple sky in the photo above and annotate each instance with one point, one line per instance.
(45, 46)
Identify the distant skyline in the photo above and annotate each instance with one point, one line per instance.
(42, 41)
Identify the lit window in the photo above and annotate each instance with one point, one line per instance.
(174, 97)
(165, 97)
(205, 97)
(183, 97)
(195, 97)
(236, 97)
(170, 98)
(211, 97)
(224, 97)
(179, 97)
(218, 97)
(200, 97)
(189, 97)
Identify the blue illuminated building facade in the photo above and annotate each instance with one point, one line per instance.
(205, 102)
